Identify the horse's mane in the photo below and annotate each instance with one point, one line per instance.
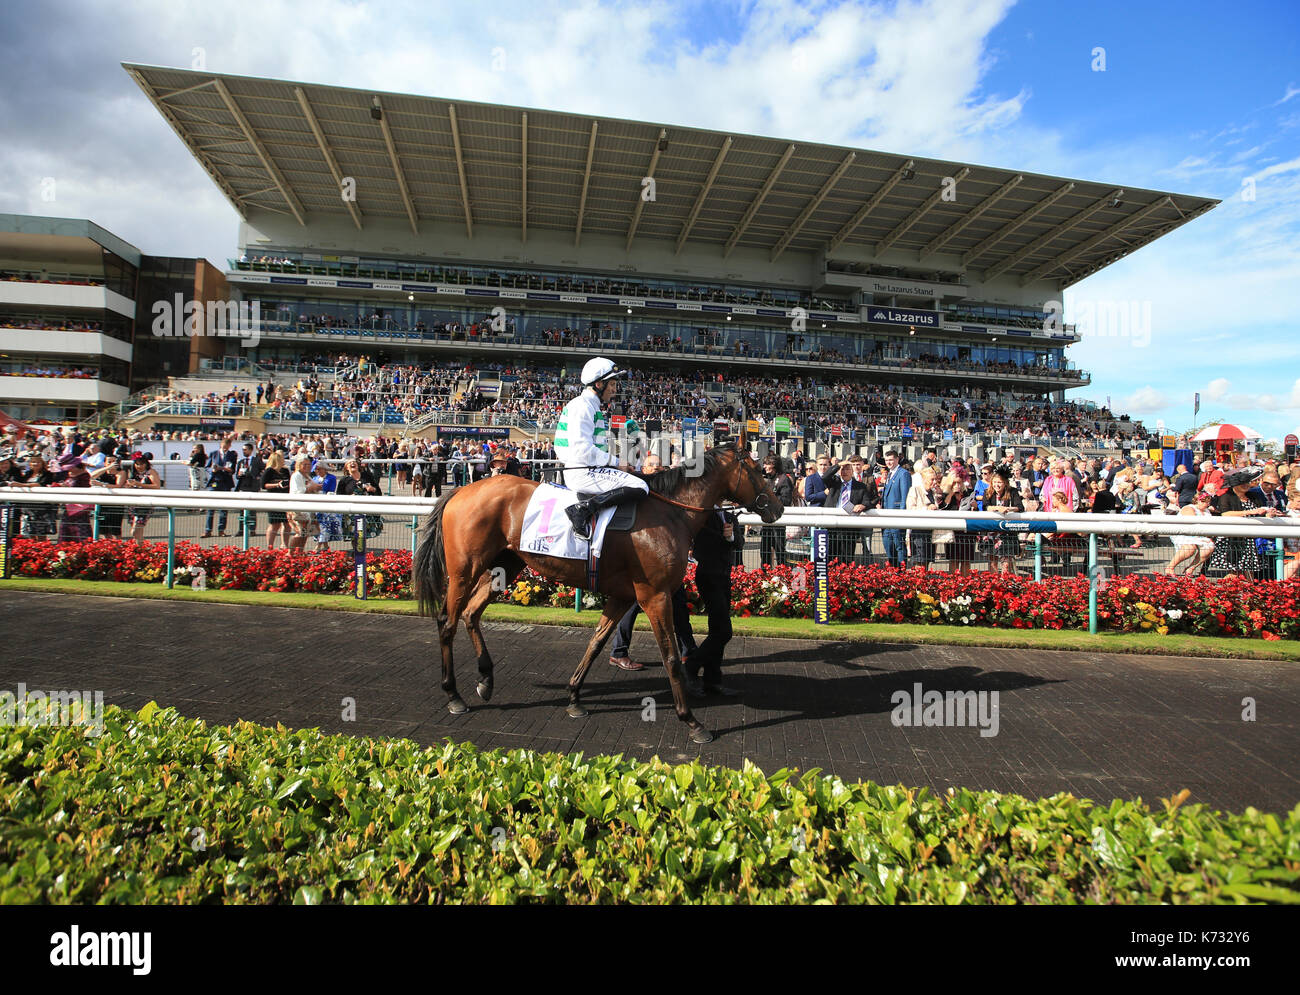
(668, 481)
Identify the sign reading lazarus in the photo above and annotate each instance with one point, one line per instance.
(898, 316)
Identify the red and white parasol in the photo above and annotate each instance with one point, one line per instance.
(1226, 433)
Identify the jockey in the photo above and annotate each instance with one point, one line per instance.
(582, 442)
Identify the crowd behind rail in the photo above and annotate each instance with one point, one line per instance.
(297, 464)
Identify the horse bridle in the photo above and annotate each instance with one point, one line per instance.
(761, 501)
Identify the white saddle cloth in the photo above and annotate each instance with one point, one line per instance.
(547, 530)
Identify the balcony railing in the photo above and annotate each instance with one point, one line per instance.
(708, 353)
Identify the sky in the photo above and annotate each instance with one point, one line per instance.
(1194, 98)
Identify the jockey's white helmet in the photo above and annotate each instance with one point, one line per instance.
(600, 369)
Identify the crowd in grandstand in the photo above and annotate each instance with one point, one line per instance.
(56, 371)
(71, 281)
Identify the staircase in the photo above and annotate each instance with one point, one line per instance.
(109, 416)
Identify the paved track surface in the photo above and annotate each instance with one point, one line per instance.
(1099, 726)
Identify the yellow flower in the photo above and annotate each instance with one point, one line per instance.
(1163, 630)
(1146, 625)
(379, 578)
(1123, 592)
(934, 614)
(925, 599)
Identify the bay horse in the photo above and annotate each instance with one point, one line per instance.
(471, 539)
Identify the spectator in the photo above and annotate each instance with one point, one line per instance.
(922, 496)
(898, 482)
(38, 520)
(1211, 479)
(852, 497)
(812, 489)
(248, 479)
(329, 524)
(198, 468)
(1291, 548)
(275, 480)
(958, 495)
(1002, 548)
(772, 551)
(221, 466)
(1185, 482)
(1059, 481)
(301, 484)
(139, 475)
(75, 526)
(1236, 555)
(1197, 548)
(1066, 545)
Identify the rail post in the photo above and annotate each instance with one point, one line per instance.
(1092, 583)
(171, 548)
(1280, 572)
(243, 528)
(1038, 557)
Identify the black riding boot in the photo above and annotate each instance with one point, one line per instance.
(580, 514)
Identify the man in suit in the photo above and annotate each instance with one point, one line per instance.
(897, 483)
(853, 497)
(715, 550)
(248, 477)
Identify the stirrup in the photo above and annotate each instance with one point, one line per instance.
(579, 517)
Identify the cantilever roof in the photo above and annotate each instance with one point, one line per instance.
(285, 147)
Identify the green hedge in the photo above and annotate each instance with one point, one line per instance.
(297, 816)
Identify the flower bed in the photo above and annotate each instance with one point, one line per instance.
(1198, 606)
(227, 569)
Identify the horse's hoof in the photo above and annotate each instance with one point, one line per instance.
(485, 690)
(456, 706)
(701, 736)
(576, 711)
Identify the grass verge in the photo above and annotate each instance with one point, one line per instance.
(159, 808)
(1218, 647)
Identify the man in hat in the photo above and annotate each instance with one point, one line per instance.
(504, 462)
(582, 443)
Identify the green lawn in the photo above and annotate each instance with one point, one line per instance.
(784, 628)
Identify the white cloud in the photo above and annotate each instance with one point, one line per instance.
(1217, 390)
(1145, 400)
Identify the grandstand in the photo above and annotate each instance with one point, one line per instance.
(396, 231)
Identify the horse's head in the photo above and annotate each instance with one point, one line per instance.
(747, 486)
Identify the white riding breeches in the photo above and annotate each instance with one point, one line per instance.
(601, 479)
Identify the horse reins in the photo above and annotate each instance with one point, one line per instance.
(677, 504)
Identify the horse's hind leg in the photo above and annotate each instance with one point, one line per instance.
(505, 568)
(659, 609)
(458, 587)
(609, 619)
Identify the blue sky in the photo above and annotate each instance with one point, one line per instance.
(1195, 98)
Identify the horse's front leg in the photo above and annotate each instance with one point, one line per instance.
(613, 613)
(659, 609)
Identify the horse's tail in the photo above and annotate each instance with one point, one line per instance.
(429, 567)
